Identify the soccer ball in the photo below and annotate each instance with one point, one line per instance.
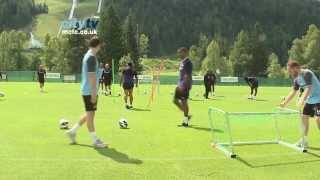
(123, 123)
(64, 124)
(2, 94)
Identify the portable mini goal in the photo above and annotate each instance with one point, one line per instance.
(231, 129)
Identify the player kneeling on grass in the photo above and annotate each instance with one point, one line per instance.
(254, 85)
(89, 90)
(184, 86)
(128, 79)
(310, 99)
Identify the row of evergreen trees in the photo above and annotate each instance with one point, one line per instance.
(16, 14)
(250, 56)
(174, 23)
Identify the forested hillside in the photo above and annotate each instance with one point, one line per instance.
(16, 14)
(173, 23)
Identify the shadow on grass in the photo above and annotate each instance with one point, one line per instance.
(202, 129)
(192, 99)
(140, 110)
(314, 148)
(114, 155)
(213, 99)
(259, 100)
(251, 165)
(111, 96)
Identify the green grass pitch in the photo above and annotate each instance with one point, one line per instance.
(33, 147)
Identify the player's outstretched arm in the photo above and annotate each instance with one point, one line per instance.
(287, 100)
(304, 96)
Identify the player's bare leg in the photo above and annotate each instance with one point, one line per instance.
(305, 130)
(41, 87)
(109, 87)
(91, 128)
(72, 133)
(318, 122)
(178, 103)
(126, 96)
(187, 117)
(90, 121)
(130, 92)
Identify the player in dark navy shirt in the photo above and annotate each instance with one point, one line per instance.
(41, 77)
(184, 85)
(209, 82)
(129, 78)
(107, 78)
(254, 85)
(101, 84)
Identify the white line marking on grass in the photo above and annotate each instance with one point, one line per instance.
(220, 157)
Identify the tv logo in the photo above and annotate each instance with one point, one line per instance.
(75, 26)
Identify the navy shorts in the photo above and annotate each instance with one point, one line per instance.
(89, 106)
(128, 86)
(107, 82)
(182, 94)
(41, 80)
(312, 110)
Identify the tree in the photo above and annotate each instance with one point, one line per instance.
(306, 50)
(11, 50)
(202, 46)
(172, 24)
(214, 61)
(131, 42)
(240, 55)
(110, 32)
(275, 70)
(76, 45)
(195, 57)
(144, 45)
(258, 49)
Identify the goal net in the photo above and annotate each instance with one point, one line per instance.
(232, 129)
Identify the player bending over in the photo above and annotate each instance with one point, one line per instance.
(41, 77)
(128, 79)
(184, 85)
(254, 85)
(89, 91)
(310, 99)
(107, 79)
(209, 83)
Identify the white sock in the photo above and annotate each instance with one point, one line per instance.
(305, 138)
(93, 136)
(186, 120)
(75, 128)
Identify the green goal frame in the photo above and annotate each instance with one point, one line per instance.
(229, 152)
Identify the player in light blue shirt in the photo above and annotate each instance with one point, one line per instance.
(309, 100)
(89, 91)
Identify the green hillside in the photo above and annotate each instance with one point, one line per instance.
(59, 10)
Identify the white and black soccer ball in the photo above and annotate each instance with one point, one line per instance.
(123, 123)
(64, 124)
